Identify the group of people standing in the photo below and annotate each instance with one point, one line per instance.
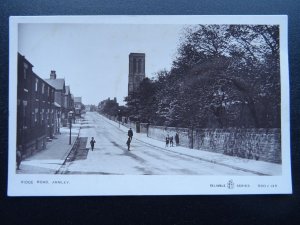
(169, 140)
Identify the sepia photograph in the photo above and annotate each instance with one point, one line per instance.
(199, 104)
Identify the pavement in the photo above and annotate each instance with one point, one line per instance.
(246, 165)
(49, 160)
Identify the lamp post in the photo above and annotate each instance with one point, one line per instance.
(58, 123)
(70, 116)
(119, 116)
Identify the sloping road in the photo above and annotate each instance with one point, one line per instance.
(111, 156)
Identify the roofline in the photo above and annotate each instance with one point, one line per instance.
(23, 56)
(136, 54)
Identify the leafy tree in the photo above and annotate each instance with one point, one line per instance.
(223, 76)
(109, 107)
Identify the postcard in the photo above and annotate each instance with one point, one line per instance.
(148, 105)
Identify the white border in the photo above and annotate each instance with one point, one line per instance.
(140, 184)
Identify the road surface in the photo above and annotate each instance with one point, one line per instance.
(111, 156)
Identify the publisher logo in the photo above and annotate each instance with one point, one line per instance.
(230, 184)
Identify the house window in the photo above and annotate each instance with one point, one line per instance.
(36, 84)
(42, 115)
(36, 112)
(25, 70)
(43, 88)
(24, 114)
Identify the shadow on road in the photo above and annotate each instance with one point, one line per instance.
(81, 152)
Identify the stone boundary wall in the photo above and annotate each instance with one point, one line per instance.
(258, 144)
(143, 127)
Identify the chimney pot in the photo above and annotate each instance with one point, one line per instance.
(53, 75)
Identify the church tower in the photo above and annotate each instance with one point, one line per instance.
(136, 71)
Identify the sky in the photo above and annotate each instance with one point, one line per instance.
(93, 58)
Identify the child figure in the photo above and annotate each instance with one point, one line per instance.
(92, 142)
(128, 143)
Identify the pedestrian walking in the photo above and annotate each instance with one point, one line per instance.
(177, 139)
(19, 157)
(128, 143)
(92, 142)
(130, 134)
(171, 141)
(167, 141)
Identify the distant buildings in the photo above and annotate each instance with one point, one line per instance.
(42, 107)
(90, 108)
(79, 106)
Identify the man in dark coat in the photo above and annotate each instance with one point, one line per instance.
(177, 139)
(19, 157)
(130, 134)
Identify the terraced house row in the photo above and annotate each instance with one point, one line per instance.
(42, 108)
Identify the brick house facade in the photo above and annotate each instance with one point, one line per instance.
(35, 109)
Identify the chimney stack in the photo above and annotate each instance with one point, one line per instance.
(53, 75)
